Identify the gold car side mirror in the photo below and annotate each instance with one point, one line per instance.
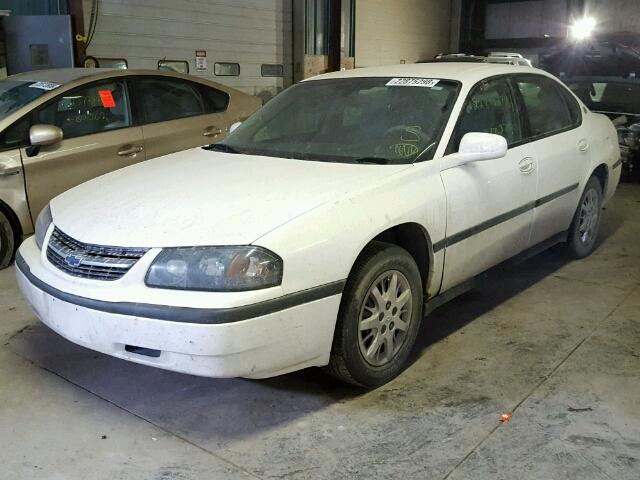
(45, 135)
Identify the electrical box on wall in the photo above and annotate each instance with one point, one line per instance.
(35, 42)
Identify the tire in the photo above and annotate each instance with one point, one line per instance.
(374, 271)
(583, 232)
(7, 241)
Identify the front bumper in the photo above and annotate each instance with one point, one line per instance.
(265, 345)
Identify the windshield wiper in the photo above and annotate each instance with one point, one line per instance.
(221, 147)
(373, 160)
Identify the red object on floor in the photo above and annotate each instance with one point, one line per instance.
(506, 417)
(106, 98)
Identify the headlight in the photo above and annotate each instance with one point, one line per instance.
(42, 225)
(215, 269)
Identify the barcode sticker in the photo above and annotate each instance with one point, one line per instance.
(45, 85)
(413, 82)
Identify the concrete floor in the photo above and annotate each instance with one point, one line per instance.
(557, 343)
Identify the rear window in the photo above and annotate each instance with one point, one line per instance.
(215, 101)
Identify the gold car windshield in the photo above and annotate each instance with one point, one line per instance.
(16, 94)
(360, 120)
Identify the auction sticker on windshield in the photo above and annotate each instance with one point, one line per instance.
(413, 82)
(45, 85)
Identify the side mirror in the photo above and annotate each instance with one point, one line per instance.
(479, 147)
(45, 135)
(233, 127)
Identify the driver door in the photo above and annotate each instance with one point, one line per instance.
(99, 137)
(489, 203)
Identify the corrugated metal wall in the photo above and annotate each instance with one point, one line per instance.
(248, 32)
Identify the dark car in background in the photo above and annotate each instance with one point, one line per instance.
(619, 99)
(605, 73)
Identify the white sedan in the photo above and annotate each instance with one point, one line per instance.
(325, 226)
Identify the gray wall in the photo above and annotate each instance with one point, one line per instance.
(35, 7)
(615, 16)
(388, 32)
(527, 19)
(35, 42)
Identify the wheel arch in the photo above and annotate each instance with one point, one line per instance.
(413, 238)
(601, 172)
(14, 220)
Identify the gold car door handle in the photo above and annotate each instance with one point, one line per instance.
(10, 172)
(212, 131)
(129, 150)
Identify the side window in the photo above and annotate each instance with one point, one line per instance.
(95, 108)
(490, 108)
(16, 135)
(215, 101)
(574, 107)
(545, 105)
(164, 99)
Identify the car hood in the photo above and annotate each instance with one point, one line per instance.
(200, 197)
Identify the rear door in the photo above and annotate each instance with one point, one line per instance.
(177, 114)
(560, 149)
(99, 137)
(489, 204)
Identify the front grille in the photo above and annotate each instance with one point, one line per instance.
(90, 261)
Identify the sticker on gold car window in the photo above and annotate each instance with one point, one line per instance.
(413, 82)
(106, 97)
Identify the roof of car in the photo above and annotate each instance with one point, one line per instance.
(60, 75)
(464, 72)
(63, 76)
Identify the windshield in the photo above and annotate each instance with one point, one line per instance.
(367, 120)
(608, 96)
(15, 95)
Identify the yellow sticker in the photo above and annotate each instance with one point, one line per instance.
(405, 150)
(411, 134)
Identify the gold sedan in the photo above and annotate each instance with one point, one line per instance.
(62, 127)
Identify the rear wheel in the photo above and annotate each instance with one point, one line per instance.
(379, 317)
(7, 241)
(585, 227)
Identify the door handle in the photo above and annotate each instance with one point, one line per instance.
(583, 145)
(129, 150)
(10, 172)
(527, 165)
(212, 131)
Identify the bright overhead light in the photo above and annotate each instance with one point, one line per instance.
(583, 28)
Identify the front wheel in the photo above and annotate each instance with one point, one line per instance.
(585, 227)
(379, 317)
(7, 241)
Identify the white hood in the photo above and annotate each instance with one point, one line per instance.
(199, 197)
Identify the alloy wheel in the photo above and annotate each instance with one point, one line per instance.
(589, 214)
(384, 318)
